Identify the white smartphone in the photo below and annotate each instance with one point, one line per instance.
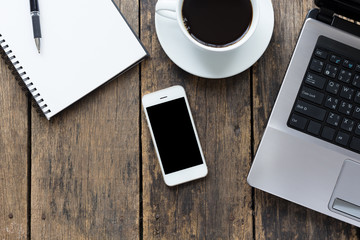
(174, 135)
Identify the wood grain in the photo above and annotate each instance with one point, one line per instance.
(276, 218)
(94, 172)
(219, 206)
(85, 162)
(13, 157)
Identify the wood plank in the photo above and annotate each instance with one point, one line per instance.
(13, 157)
(85, 162)
(219, 206)
(276, 218)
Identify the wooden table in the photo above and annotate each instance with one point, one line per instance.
(92, 173)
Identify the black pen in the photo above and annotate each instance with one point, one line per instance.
(35, 16)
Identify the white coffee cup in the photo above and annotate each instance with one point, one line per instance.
(172, 9)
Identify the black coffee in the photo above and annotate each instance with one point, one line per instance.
(217, 23)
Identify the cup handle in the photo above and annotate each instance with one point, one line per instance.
(167, 8)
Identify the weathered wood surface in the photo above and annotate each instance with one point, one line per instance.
(14, 151)
(85, 162)
(219, 206)
(92, 173)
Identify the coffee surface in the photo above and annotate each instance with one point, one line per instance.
(217, 23)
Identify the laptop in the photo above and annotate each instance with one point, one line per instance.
(310, 151)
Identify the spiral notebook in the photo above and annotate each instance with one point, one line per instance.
(85, 43)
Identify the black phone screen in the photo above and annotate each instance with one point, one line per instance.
(174, 135)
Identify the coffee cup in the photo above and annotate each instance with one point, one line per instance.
(213, 25)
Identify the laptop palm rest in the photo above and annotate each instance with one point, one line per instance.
(345, 199)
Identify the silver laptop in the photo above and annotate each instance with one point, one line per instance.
(310, 150)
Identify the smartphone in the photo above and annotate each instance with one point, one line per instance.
(174, 135)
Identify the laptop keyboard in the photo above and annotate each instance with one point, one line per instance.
(328, 102)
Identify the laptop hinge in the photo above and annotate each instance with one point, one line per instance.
(347, 26)
(325, 15)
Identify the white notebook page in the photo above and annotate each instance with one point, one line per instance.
(84, 44)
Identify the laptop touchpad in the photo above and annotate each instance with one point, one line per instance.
(345, 199)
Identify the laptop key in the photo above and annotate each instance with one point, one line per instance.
(331, 70)
(321, 53)
(315, 80)
(345, 108)
(348, 64)
(347, 124)
(328, 133)
(316, 65)
(312, 95)
(314, 128)
(331, 102)
(310, 110)
(298, 122)
(357, 129)
(357, 97)
(335, 59)
(357, 68)
(342, 138)
(356, 81)
(332, 87)
(333, 119)
(356, 113)
(345, 76)
(347, 92)
(355, 144)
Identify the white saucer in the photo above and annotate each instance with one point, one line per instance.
(214, 64)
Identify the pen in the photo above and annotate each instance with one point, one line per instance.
(35, 16)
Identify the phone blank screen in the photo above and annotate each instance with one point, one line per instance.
(174, 135)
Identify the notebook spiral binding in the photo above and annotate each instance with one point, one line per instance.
(23, 79)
